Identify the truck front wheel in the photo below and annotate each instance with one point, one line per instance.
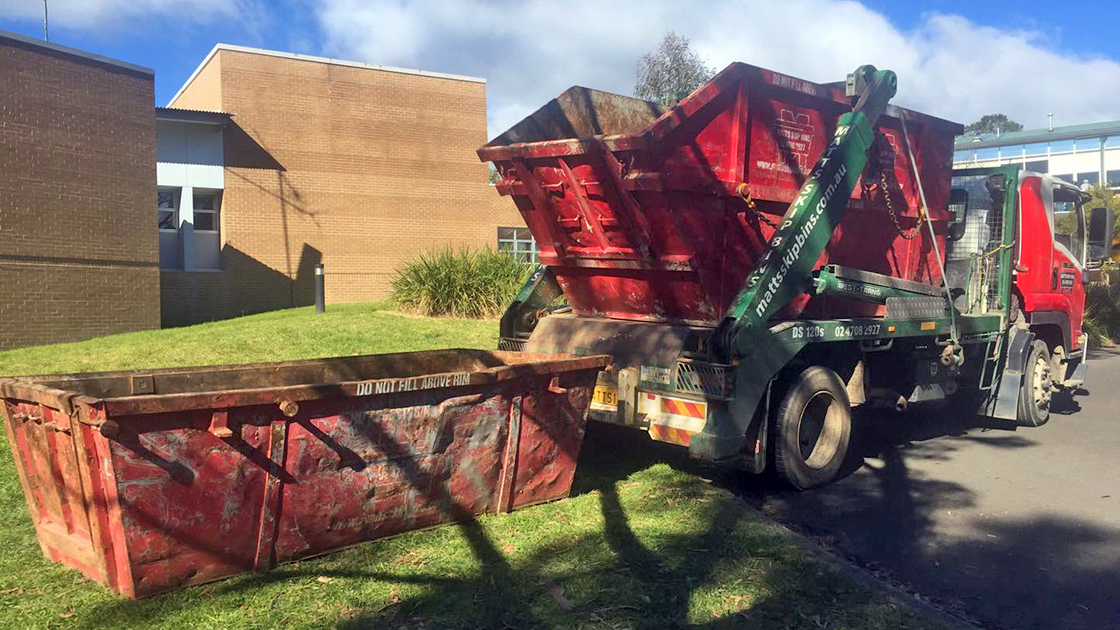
(1036, 389)
(812, 427)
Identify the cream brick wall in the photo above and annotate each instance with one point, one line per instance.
(357, 168)
(206, 88)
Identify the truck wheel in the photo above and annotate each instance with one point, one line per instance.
(1035, 390)
(813, 425)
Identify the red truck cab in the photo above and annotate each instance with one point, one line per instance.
(1056, 241)
(1050, 267)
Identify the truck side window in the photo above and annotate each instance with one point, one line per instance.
(1069, 222)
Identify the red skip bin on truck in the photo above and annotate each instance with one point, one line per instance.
(772, 252)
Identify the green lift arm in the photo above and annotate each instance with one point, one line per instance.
(786, 269)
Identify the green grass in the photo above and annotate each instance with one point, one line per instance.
(345, 329)
(644, 542)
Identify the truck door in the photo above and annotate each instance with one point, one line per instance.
(1051, 254)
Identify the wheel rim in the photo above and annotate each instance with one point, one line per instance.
(819, 430)
(1042, 384)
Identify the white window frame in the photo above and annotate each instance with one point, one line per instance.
(518, 244)
(216, 211)
(175, 196)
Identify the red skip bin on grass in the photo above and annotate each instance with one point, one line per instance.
(150, 480)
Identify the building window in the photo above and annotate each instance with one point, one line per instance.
(1037, 166)
(167, 211)
(519, 242)
(207, 240)
(206, 212)
(1113, 178)
(1092, 178)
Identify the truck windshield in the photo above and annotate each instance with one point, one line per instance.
(1069, 223)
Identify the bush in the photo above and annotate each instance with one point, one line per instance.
(465, 283)
(1102, 314)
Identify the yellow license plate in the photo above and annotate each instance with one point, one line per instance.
(605, 397)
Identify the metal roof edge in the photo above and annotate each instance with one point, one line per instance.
(352, 64)
(109, 61)
(176, 114)
(316, 59)
(1038, 136)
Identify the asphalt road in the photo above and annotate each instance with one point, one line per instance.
(1012, 527)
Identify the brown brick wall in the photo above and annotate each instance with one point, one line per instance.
(78, 245)
(357, 168)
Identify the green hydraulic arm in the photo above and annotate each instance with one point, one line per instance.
(786, 269)
(536, 295)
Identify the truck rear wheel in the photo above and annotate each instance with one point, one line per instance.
(1035, 391)
(812, 427)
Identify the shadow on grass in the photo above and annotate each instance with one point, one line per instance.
(617, 563)
(721, 568)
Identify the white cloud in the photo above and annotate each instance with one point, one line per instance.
(86, 14)
(531, 50)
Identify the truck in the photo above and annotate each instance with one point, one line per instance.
(770, 253)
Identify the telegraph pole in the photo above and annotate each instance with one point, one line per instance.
(46, 34)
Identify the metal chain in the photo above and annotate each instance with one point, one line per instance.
(743, 192)
(906, 235)
(883, 186)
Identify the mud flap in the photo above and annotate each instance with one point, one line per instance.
(1003, 402)
(738, 435)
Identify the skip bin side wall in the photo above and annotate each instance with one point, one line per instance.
(169, 502)
(68, 484)
(654, 225)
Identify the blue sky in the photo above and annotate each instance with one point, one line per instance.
(955, 59)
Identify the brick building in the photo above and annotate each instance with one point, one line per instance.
(113, 213)
(78, 255)
(355, 166)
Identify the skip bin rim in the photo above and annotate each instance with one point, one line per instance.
(677, 115)
(49, 390)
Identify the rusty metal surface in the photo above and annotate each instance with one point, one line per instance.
(581, 112)
(174, 497)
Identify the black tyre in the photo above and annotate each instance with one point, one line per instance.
(812, 428)
(1035, 392)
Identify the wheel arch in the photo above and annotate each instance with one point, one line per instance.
(1052, 327)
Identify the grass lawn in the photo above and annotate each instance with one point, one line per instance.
(645, 541)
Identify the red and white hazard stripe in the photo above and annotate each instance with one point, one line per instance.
(673, 420)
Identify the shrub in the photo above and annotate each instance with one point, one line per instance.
(464, 283)
(1102, 314)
